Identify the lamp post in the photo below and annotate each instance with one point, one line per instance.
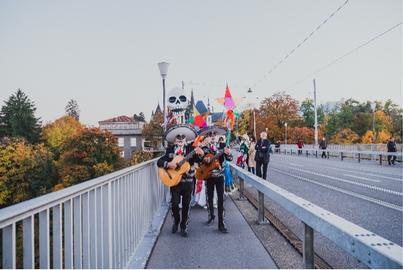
(163, 67)
(373, 107)
(254, 116)
(285, 124)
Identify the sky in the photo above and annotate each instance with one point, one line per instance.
(104, 54)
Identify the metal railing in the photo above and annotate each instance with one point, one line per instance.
(95, 224)
(371, 249)
(359, 155)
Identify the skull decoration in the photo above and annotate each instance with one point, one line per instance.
(177, 104)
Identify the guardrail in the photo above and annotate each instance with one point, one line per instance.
(359, 155)
(371, 249)
(96, 224)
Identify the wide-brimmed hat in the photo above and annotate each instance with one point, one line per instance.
(180, 131)
(214, 130)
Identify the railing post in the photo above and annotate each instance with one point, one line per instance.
(308, 253)
(307, 153)
(241, 189)
(316, 153)
(328, 156)
(380, 159)
(341, 155)
(359, 157)
(260, 210)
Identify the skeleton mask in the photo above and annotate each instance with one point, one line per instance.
(177, 101)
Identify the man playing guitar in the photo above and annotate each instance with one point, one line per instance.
(185, 186)
(216, 179)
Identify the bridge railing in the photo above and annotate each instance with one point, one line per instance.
(342, 154)
(371, 249)
(95, 224)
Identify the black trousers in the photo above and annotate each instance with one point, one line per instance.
(324, 154)
(393, 158)
(183, 189)
(218, 183)
(259, 165)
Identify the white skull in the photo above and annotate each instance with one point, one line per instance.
(177, 101)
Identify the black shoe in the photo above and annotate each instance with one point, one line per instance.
(210, 220)
(175, 227)
(184, 232)
(222, 228)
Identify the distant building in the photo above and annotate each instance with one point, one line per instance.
(128, 131)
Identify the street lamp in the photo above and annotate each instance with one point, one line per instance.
(163, 67)
(285, 124)
(254, 116)
(373, 107)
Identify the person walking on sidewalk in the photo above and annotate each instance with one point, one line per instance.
(262, 156)
(392, 149)
(323, 146)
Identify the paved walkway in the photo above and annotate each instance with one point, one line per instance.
(206, 247)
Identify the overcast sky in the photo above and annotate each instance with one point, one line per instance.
(104, 54)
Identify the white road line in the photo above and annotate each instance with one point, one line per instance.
(351, 182)
(362, 178)
(295, 164)
(358, 172)
(360, 196)
(357, 168)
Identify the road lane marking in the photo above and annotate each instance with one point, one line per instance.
(363, 178)
(350, 182)
(298, 165)
(357, 172)
(351, 193)
(397, 177)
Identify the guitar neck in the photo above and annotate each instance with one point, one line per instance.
(187, 157)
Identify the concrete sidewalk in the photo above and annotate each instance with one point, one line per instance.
(206, 247)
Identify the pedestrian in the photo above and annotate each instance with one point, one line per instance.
(216, 179)
(252, 154)
(262, 156)
(244, 149)
(185, 187)
(277, 146)
(323, 146)
(300, 145)
(392, 149)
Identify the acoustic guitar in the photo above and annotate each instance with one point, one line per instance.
(205, 169)
(172, 177)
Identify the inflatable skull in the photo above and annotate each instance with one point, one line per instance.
(177, 100)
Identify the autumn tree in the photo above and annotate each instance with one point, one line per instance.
(72, 109)
(345, 136)
(26, 171)
(57, 133)
(276, 110)
(152, 131)
(91, 153)
(17, 118)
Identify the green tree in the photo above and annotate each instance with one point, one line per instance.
(308, 113)
(72, 109)
(17, 118)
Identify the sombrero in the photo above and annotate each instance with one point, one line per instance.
(214, 129)
(171, 133)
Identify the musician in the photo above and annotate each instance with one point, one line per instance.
(216, 180)
(185, 187)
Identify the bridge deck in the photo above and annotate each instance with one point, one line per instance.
(206, 247)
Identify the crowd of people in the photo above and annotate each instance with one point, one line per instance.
(213, 153)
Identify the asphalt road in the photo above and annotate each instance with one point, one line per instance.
(366, 194)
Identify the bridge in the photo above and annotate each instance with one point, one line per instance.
(311, 212)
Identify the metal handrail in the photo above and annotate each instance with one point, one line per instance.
(344, 151)
(371, 249)
(95, 224)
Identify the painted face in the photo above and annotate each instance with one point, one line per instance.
(180, 140)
